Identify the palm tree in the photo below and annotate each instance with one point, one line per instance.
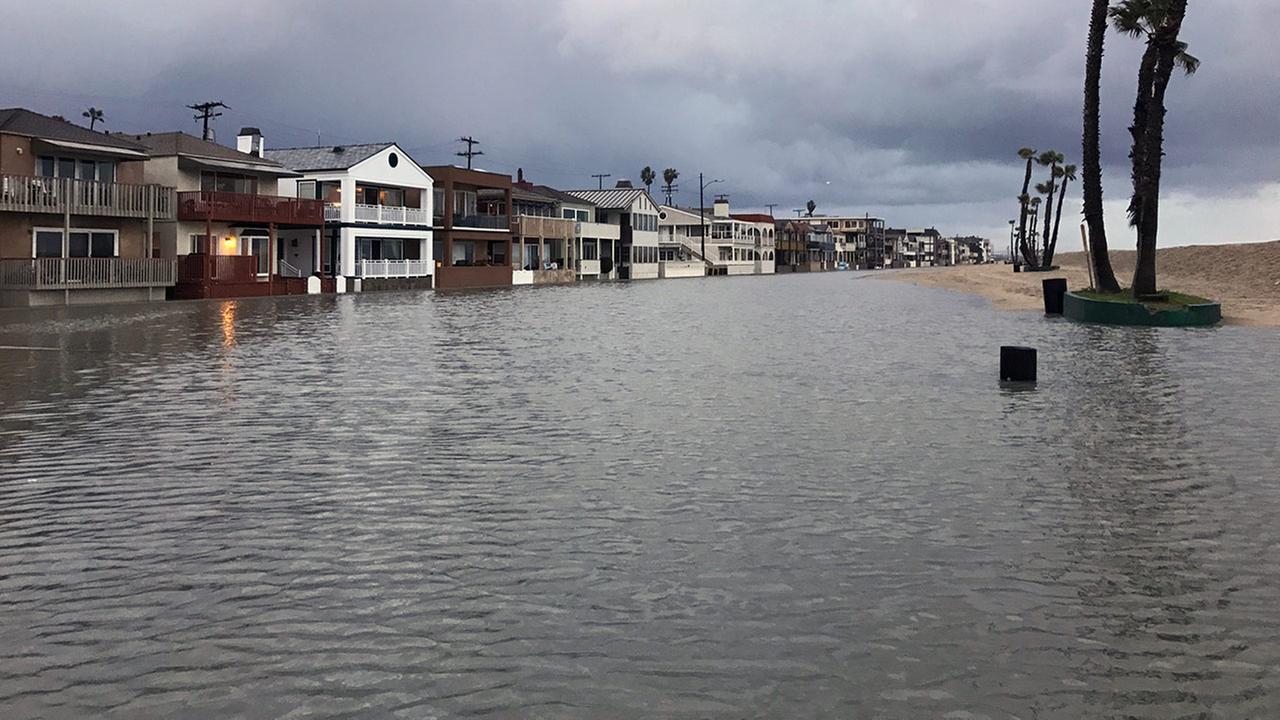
(669, 177)
(1159, 21)
(95, 116)
(647, 176)
(1050, 159)
(1033, 207)
(1024, 199)
(811, 206)
(1067, 173)
(1103, 276)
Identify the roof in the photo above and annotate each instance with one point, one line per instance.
(752, 217)
(181, 144)
(612, 198)
(21, 121)
(560, 195)
(326, 157)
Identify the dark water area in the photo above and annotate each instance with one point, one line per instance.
(785, 497)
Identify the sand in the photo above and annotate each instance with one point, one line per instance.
(1244, 278)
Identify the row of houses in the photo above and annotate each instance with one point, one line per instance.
(89, 217)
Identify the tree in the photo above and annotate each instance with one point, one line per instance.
(1067, 173)
(95, 116)
(1161, 22)
(1024, 201)
(1033, 207)
(1103, 276)
(811, 206)
(669, 176)
(1050, 159)
(647, 176)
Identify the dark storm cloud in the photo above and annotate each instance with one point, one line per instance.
(911, 109)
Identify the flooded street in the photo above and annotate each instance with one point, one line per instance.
(785, 496)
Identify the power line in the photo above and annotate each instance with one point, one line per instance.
(206, 113)
(469, 153)
(601, 177)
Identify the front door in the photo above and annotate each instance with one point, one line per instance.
(259, 248)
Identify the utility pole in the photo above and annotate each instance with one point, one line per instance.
(702, 213)
(469, 153)
(771, 206)
(798, 211)
(206, 113)
(601, 177)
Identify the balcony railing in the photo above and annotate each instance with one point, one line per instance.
(393, 268)
(25, 193)
(85, 273)
(482, 222)
(245, 208)
(224, 268)
(545, 227)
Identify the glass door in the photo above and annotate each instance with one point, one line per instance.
(258, 247)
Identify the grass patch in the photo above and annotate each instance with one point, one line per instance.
(1171, 300)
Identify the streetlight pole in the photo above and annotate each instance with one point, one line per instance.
(702, 215)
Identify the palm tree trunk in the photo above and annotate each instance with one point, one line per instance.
(1048, 215)
(1104, 276)
(1052, 246)
(1148, 187)
(1138, 131)
(1023, 246)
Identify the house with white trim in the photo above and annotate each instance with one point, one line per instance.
(377, 213)
(635, 214)
(742, 244)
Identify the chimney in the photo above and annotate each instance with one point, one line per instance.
(721, 207)
(623, 184)
(250, 141)
(520, 175)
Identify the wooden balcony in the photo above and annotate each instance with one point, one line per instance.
(58, 196)
(543, 227)
(220, 268)
(233, 207)
(83, 273)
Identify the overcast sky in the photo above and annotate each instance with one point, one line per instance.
(911, 110)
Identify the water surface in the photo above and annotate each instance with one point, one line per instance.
(792, 496)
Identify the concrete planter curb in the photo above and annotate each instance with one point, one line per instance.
(1082, 309)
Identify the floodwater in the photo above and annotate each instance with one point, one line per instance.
(787, 497)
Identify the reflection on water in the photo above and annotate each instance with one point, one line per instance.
(802, 496)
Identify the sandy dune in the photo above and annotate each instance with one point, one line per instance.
(1244, 278)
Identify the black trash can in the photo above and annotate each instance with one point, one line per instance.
(1055, 292)
(1017, 267)
(1017, 364)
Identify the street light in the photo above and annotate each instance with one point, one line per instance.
(1011, 257)
(702, 213)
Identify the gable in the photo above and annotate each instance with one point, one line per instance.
(393, 166)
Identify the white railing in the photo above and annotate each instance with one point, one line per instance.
(86, 273)
(286, 269)
(393, 268)
(24, 193)
(391, 215)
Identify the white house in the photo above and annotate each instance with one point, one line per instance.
(635, 214)
(742, 244)
(378, 210)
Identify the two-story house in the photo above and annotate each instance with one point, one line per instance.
(77, 219)
(227, 234)
(377, 214)
(633, 211)
(472, 244)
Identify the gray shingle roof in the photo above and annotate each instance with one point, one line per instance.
(327, 157)
(611, 198)
(180, 143)
(21, 121)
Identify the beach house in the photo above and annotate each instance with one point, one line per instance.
(226, 236)
(634, 256)
(377, 205)
(472, 244)
(77, 217)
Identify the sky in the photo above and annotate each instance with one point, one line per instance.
(912, 110)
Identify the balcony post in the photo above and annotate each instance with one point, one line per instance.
(66, 229)
(151, 221)
(271, 258)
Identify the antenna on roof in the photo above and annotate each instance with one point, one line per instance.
(601, 177)
(206, 113)
(469, 153)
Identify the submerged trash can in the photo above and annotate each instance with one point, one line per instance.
(1017, 364)
(1055, 292)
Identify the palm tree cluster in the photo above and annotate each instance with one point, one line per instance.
(1037, 244)
(647, 176)
(1159, 22)
(669, 177)
(94, 116)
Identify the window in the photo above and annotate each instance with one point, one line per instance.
(100, 170)
(567, 214)
(307, 189)
(385, 249)
(437, 199)
(590, 251)
(464, 203)
(228, 183)
(195, 244)
(80, 243)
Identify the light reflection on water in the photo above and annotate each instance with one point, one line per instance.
(784, 497)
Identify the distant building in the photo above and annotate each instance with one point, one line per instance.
(736, 244)
(859, 239)
(635, 214)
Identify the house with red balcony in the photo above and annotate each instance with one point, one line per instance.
(228, 236)
(77, 217)
(377, 204)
